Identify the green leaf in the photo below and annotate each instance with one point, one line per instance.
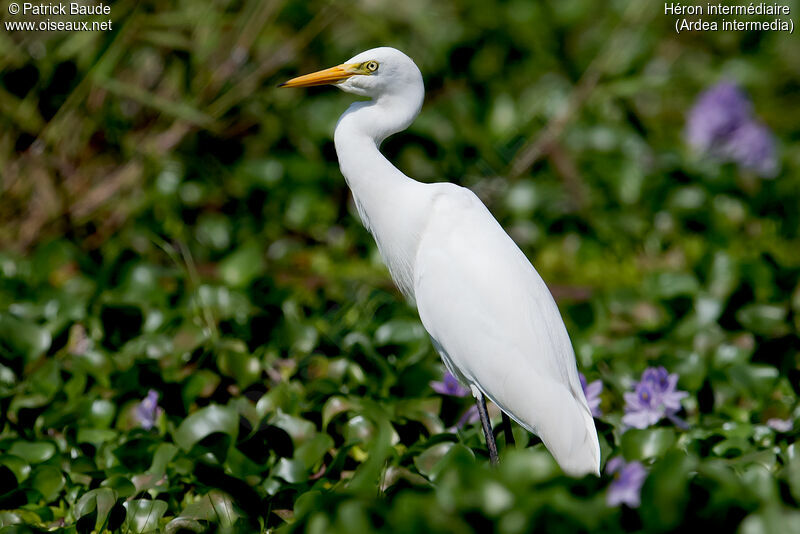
(426, 461)
(143, 515)
(26, 339)
(771, 519)
(18, 522)
(764, 319)
(400, 331)
(761, 483)
(202, 383)
(243, 266)
(298, 428)
(95, 436)
(307, 502)
(643, 444)
(48, 481)
(457, 455)
(333, 407)
(163, 456)
(33, 452)
(691, 368)
(239, 365)
(359, 429)
(380, 446)
(292, 471)
(17, 466)
(521, 467)
(723, 275)
(313, 450)
(99, 501)
(216, 506)
(754, 379)
(668, 285)
(792, 474)
(183, 525)
(423, 410)
(46, 380)
(665, 492)
(121, 485)
(208, 420)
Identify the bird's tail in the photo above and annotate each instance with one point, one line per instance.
(572, 438)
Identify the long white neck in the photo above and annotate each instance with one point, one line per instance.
(392, 206)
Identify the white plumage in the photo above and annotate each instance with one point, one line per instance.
(490, 315)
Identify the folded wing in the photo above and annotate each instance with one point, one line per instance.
(497, 326)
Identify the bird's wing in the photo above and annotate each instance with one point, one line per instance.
(491, 315)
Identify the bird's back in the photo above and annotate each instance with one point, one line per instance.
(498, 327)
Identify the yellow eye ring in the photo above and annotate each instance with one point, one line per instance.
(371, 66)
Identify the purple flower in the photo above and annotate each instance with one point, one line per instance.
(780, 425)
(626, 487)
(450, 386)
(148, 411)
(592, 392)
(721, 124)
(753, 147)
(653, 398)
(469, 417)
(716, 114)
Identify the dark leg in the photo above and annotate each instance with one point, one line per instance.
(486, 424)
(507, 431)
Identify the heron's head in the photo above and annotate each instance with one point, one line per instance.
(374, 73)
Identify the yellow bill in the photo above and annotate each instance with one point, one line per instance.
(324, 77)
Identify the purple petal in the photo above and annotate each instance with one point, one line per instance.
(627, 485)
(469, 417)
(672, 382)
(652, 375)
(592, 392)
(646, 396)
(721, 123)
(753, 147)
(780, 425)
(672, 401)
(440, 388)
(631, 401)
(716, 113)
(656, 378)
(594, 388)
(641, 418)
(614, 465)
(677, 421)
(449, 386)
(148, 411)
(653, 398)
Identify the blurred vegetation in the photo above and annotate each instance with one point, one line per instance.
(171, 221)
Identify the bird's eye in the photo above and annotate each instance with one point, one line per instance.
(372, 66)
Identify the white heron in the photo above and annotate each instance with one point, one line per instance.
(489, 314)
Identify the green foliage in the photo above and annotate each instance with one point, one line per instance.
(171, 221)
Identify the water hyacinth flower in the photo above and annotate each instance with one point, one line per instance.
(753, 147)
(452, 387)
(147, 411)
(654, 397)
(469, 417)
(716, 114)
(627, 485)
(780, 425)
(592, 392)
(721, 124)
